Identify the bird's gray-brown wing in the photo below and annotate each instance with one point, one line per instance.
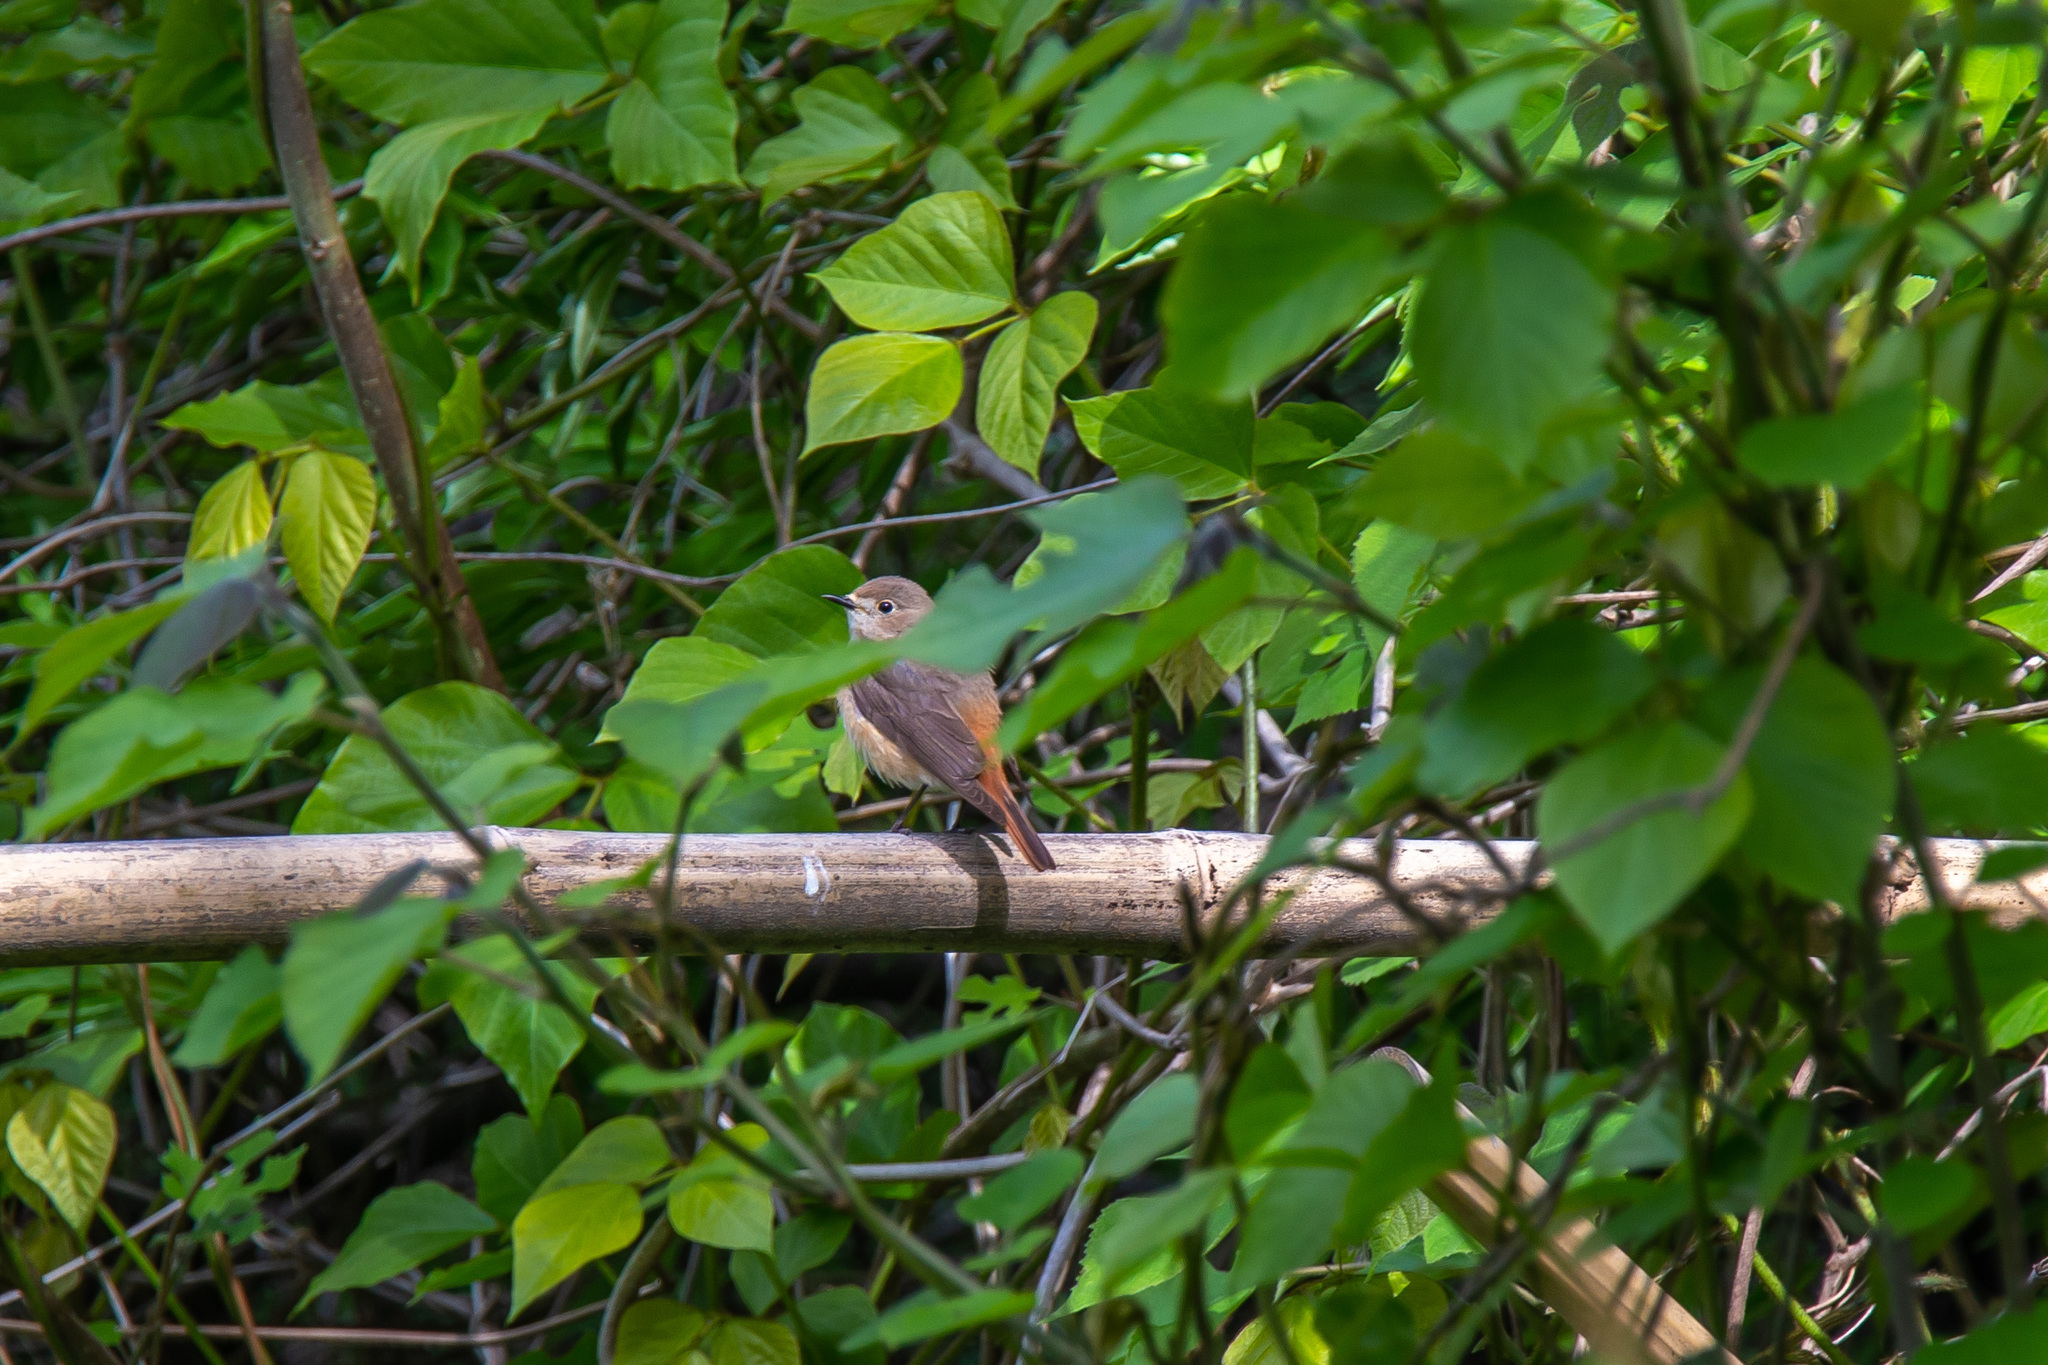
(915, 705)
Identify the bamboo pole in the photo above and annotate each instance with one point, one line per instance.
(1116, 894)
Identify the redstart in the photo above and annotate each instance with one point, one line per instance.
(918, 726)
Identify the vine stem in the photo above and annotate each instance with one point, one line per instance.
(458, 629)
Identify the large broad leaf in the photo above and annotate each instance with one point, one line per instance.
(945, 262)
(81, 652)
(329, 508)
(1821, 776)
(233, 516)
(145, 736)
(1021, 374)
(628, 1150)
(409, 176)
(1991, 781)
(672, 126)
(1260, 285)
(1844, 447)
(244, 1003)
(212, 155)
(470, 742)
(510, 1019)
(339, 969)
(272, 416)
(559, 1233)
(854, 23)
(63, 1139)
(1202, 445)
(400, 1230)
(1562, 684)
(779, 608)
(849, 129)
(1627, 879)
(1513, 324)
(464, 58)
(881, 385)
(1440, 484)
(515, 1154)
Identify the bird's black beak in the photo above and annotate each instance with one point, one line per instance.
(846, 602)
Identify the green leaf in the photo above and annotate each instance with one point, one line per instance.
(340, 967)
(717, 1212)
(850, 130)
(63, 1139)
(926, 1314)
(145, 736)
(270, 417)
(1154, 1223)
(978, 167)
(2010, 1336)
(628, 1150)
(751, 1341)
(1629, 879)
(1023, 1192)
(2020, 1018)
(1270, 1093)
(560, 1232)
(1439, 484)
(212, 155)
(514, 1154)
(1820, 773)
(81, 652)
(329, 508)
(777, 608)
(493, 765)
(945, 262)
(1990, 781)
(1918, 1193)
(409, 176)
(530, 1040)
(233, 515)
(672, 127)
(854, 23)
(402, 1229)
(1844, 447)
(1563, 683)
(459, 424)
(659, 1331)
(1512, 325)
(439, 59)
(1262, 284)
(1160, 1120)
(1873, 23)
(244, 1003)
(881, 385)
(1202, 445)
(1994, 78)
(909, 1058)
(1021, 374)
(1110, 653)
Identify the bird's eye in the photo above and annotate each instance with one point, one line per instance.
(885, 608)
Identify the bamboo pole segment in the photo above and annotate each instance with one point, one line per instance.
(1118, 894)
(1624, 1315)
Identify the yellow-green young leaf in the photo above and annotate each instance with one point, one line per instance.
(881, 385)
(63, 1139)
(329, 506)
(557, 1234)
(944, 263)
(1022, 373)
(658, 1331)
(234, 514)
(717, 1212)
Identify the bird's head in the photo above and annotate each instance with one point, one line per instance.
(883, 608)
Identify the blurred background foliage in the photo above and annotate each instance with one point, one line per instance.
(1615, 424)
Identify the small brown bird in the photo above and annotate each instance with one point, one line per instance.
(918, 726)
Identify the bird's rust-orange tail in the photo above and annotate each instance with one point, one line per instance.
(1029, 846)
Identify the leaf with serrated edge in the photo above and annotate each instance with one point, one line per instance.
(329, 507)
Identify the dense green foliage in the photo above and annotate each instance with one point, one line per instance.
(1617, 425)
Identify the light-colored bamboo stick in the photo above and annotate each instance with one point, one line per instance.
(1118, 894)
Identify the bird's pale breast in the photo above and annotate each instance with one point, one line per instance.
(884, 757)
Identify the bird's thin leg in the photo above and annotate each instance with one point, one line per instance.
(909, 815)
